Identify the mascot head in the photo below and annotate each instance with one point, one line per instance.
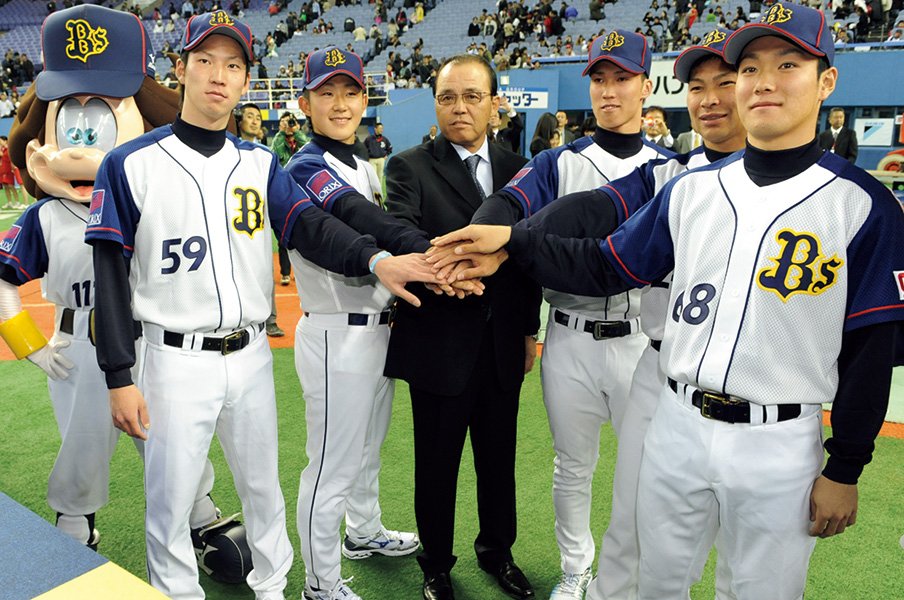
(97, 91)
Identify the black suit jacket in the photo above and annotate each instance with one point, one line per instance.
(845, 145)
(434, 347)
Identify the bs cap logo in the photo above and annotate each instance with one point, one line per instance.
(626, 49)
(92, 50)
(777, 14)
(9, 239)
(323, 64)
(97, 208)
(221, 17)
(712, 45)
(218, 22)
(804, 27)
(322, 184)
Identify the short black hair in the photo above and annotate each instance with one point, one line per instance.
(665, 116)
(242, 107)
(836, 109)
(469, 58)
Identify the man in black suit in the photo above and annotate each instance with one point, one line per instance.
(566, 135)
(506, 126)
(465, 359)
(838, 138)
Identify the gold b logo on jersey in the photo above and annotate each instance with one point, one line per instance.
(713, 37)
(334, 58)
(800, 267)
(777, 14)
(612, 41)
(84, 40)
(221, 17)
(250, 209)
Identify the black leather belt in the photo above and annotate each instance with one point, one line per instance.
(657, 345)
(67, 321)
(224, 345)
(361, 319)
(601, 330)
(729, 409)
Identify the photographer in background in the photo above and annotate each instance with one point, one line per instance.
(656, 128)
(289, 140)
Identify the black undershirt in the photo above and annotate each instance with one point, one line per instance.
(203, 141)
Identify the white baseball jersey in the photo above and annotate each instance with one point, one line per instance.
(576, 167)
(200, 265)
(797, 251)
(325, 178)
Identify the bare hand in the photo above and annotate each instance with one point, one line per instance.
(395, 271)
(833, 507)
(130, 412)
(471, 266)
(530, 353)
(483, 239)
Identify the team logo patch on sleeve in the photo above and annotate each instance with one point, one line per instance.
(519, 176)
(97, 207)
(899, 279)
(9, 238)
(322, 184)
(800, 267)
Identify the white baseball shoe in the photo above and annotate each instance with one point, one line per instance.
(571, 586)
(340, 591)
(385, 541)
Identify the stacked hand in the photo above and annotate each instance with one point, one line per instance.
(461, 258)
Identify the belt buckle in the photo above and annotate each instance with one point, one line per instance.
(710, 398)
(598, 331)
(227, 340)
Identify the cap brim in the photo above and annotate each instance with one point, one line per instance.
(686, 61)
(627, 65)
(318, 81)
(739, 40)
(53, 85)
(229, 32)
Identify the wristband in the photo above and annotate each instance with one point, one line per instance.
(377, 258)
(22, 335)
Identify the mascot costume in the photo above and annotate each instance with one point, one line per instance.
(97, 91)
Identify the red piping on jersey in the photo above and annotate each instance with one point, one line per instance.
(526, 199)
(282, 238)
(15, 258)
(870, 310)
(622, 265)
(116, 231)
(623, 203)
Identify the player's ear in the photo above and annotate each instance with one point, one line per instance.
(647, 88)
(304, 104)
(180, 71)
(827, 82)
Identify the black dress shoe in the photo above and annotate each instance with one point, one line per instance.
(510, 578)
(438, 587)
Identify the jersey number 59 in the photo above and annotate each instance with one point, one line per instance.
(194, 248)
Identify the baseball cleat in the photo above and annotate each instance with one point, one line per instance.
(571, 586)
(284, 280)
(340, 591)
(93, 540)
(273, 330)
(386, 542)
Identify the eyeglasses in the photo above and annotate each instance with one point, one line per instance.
(467, 97)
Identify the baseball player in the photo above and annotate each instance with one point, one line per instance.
(341, 341)
(581, 390)
(193, 248)
(784, 257)
(111, 98)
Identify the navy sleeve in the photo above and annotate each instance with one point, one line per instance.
(537, 184)
(114, 215)
(633, 190)
(320, 182)
(329, 243)
(391, 234)
(858, 411)
(114, 328)
(500, 208)
(23, 252)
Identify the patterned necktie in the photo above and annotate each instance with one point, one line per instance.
(471, 163)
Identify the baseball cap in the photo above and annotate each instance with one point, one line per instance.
(713, 44)
(625, 48)
(199, 27)
(90, 49)
(329, 62)
(803, 26)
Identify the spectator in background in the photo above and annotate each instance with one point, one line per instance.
(542, 139)
(430, 136)
(187, 9)
(656, 128)
(596, 10)
(378, 148)
(474, 28)
(506, 126)
(6, 106)
(588, 126)
(566, 136)
(838, 138)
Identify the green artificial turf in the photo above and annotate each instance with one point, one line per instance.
(863, 564)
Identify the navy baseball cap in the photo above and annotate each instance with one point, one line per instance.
(199, 27)
(803, 26)
(625, 48)
(90, 49)
(713, 44)
(331, 61)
